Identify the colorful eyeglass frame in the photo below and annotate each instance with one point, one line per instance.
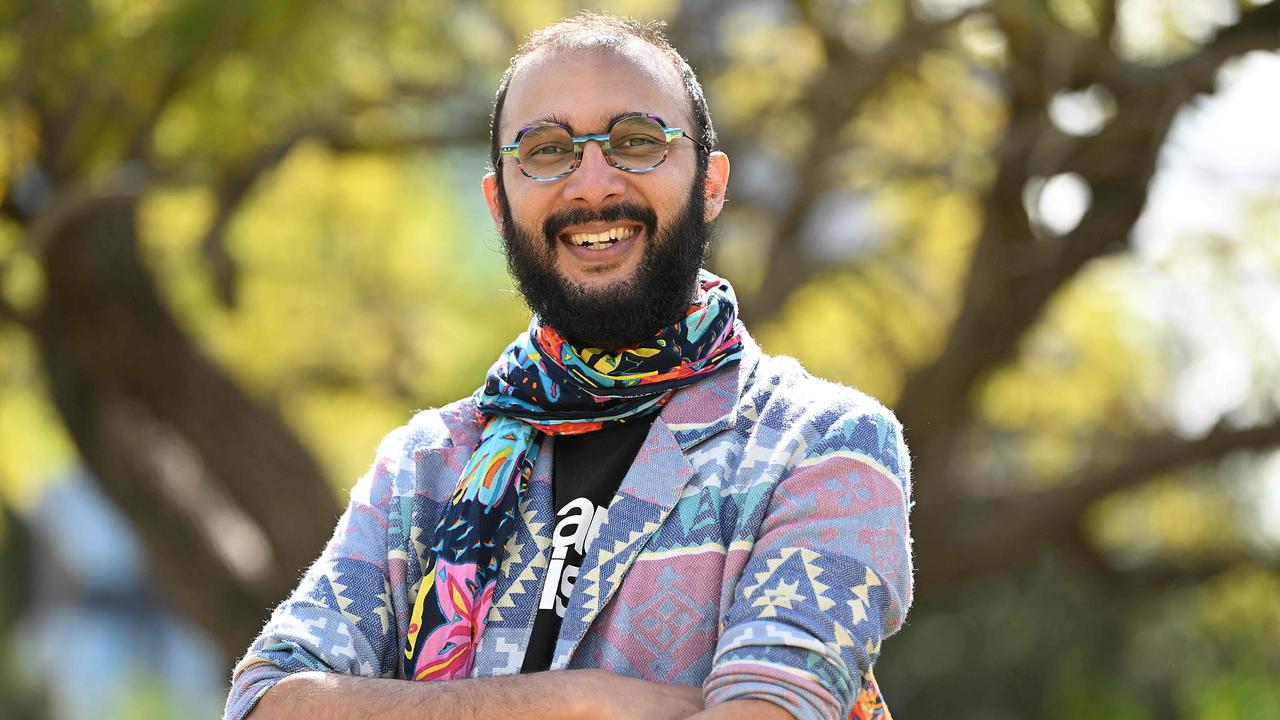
(579, 142)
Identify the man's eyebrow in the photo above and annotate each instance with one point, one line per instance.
(557, 119)
(624, 113)
(552, 118)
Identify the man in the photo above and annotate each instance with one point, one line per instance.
(639, 515)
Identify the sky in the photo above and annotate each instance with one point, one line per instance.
(1206, 264)
(1200, 238)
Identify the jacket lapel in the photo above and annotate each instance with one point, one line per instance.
(519, 583)
(649, 491)
(524, 566)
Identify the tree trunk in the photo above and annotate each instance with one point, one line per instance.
(229, 504)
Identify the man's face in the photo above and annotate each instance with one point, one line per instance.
(623, 293)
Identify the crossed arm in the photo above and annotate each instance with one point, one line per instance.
(556, 695)
(843, 631)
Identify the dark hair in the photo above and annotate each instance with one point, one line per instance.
(598, 30)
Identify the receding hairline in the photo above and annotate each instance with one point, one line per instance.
(590, 29)
(632, 49)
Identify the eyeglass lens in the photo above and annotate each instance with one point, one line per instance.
(635, 143)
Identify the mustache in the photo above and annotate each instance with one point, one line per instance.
(635, 212)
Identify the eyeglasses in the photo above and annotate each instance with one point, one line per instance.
(635, 143)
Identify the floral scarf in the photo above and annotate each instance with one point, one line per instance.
(542, 384)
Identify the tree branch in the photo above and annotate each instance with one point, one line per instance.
(231, 192)
(830, 100)
(336, 134)
(1159, 575)
(1011, 279)
(979, 536)
(1106, 17)
(1257, 29)
(1157, 579)
(1151, 456)
(127, 181)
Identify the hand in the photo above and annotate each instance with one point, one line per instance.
(618, 697)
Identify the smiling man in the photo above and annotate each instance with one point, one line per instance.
(639, 514)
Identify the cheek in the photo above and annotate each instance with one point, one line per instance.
(528, 206)
(671, 203)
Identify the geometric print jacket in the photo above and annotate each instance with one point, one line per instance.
(758, 547)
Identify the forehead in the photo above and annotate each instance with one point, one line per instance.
(584, 87)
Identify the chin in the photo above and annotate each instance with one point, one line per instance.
(600, 283)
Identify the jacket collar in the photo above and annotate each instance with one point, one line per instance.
(705, 408)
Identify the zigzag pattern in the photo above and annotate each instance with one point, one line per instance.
(532, 537)
(759, 545)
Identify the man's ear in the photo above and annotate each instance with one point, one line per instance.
(489, 184)
(715, 185)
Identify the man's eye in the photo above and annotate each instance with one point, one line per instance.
(633, 141)
(547, 150)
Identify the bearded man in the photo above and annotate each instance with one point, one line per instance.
(639, 514)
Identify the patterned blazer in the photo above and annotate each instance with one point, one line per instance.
(758, 546)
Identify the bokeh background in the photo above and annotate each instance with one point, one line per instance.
(242, 240)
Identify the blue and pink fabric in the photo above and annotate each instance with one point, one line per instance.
(758, 548)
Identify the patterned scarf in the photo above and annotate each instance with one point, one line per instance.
(543, 384)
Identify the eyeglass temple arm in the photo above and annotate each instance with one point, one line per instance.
(673, 133)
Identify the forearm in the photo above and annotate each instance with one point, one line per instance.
(331, 696)
(744, 710)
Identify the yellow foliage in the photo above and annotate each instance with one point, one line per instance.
(10, 52)
(342, 427)
(129, 18)
(945, 244)
(640, 9)
(360, 71)
(177, 131)
(1085, 367)
(838, 327)
(362, 292)
(1176, 521)
(770, 65)
(906, 123)
(982, 40)
(786, 132)
(19, 141)
(22, 281)
(174, 220)
(1049, 454)
(1242, 604)
(33, 444)
(234, 79)
(1079, 15)
(740, 248)
(939, 226)
(525, 17)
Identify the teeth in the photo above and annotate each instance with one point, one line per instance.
(602, 238)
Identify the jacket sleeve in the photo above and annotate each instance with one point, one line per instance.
(829, 575)
(340, 617)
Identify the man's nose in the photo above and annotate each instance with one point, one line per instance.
(595, 182)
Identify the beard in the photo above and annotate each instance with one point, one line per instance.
(621, 313)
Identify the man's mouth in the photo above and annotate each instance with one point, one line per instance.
(601, 239)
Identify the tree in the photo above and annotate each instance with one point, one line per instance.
(936, 118)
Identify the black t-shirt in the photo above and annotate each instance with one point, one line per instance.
(586, 471)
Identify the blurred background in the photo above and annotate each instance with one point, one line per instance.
(241, 240)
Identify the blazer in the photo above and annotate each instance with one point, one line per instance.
(758, 546)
